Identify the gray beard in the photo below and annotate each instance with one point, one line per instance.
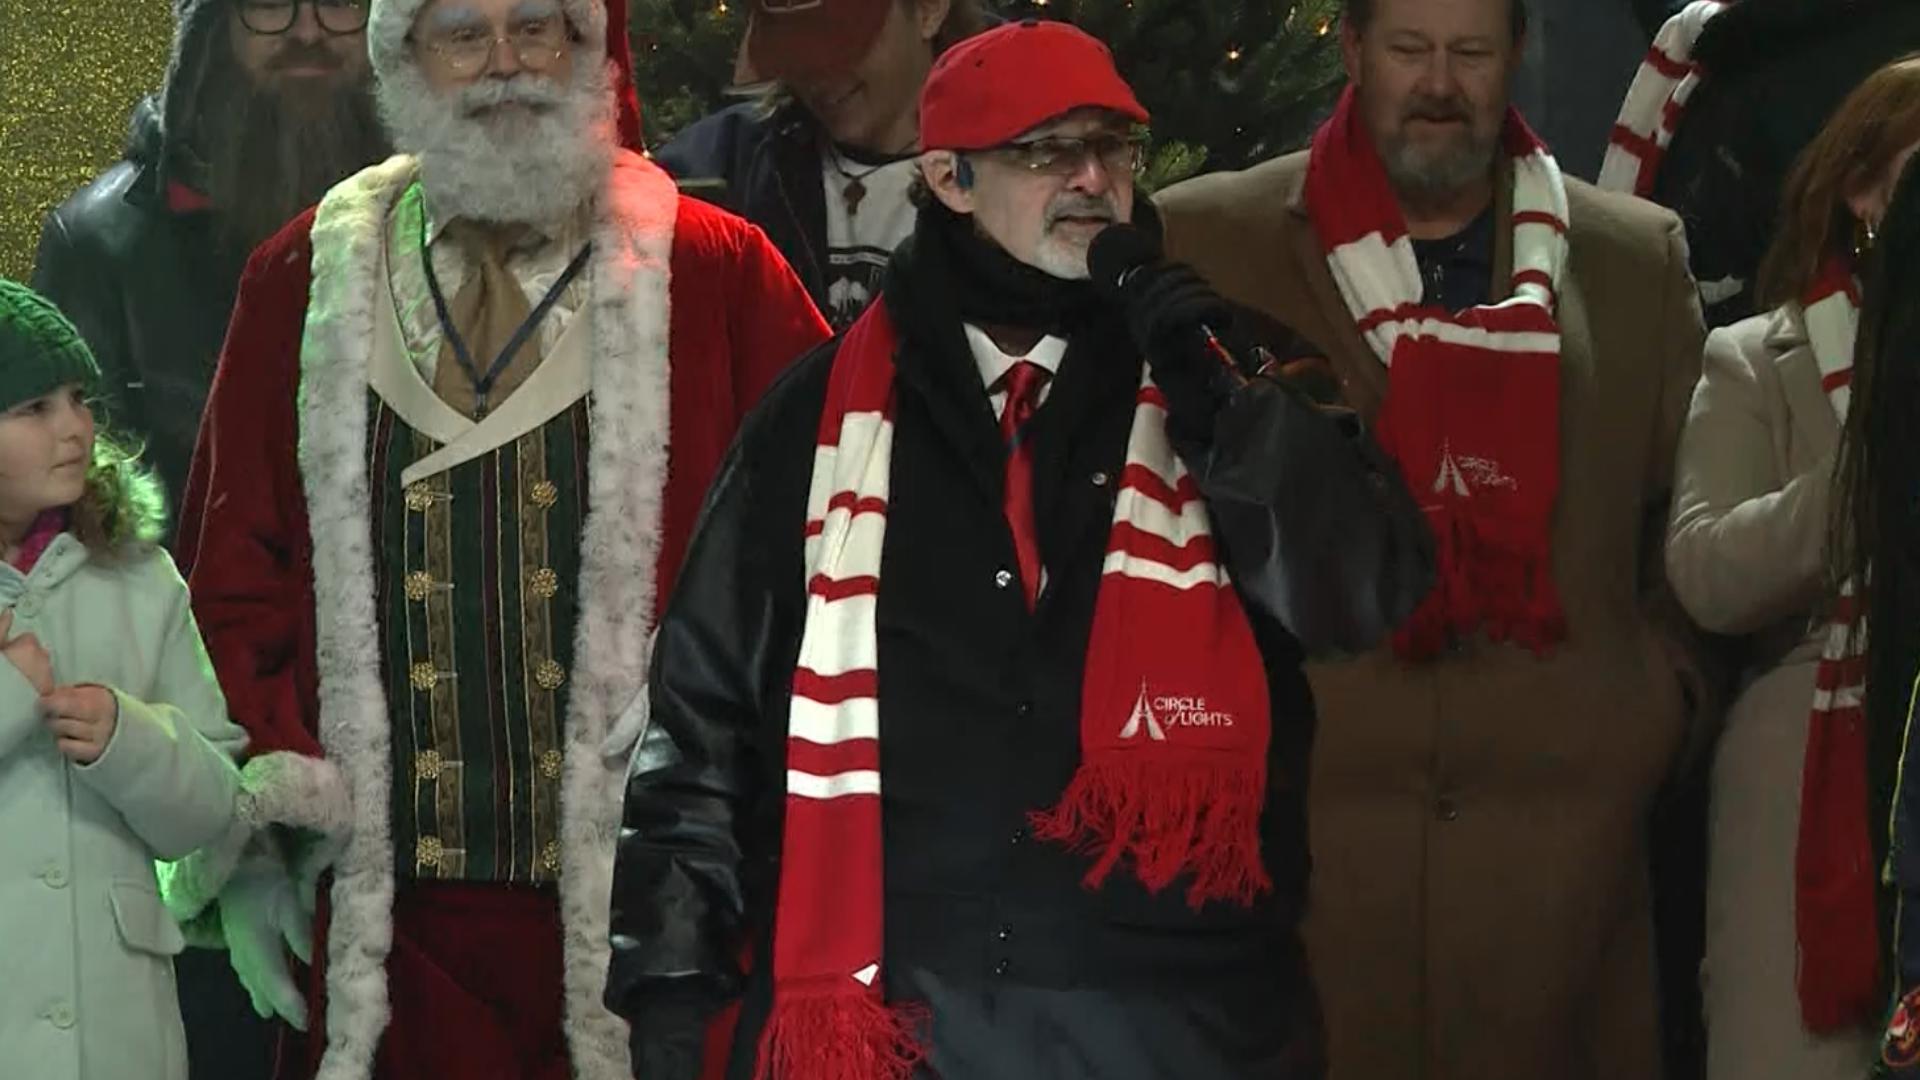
(1436, 176)
(536, 168)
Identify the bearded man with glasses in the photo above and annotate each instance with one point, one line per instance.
(464, 419)
(977, 717)
(266, 104)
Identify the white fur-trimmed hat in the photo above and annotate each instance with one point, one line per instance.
(389, 22)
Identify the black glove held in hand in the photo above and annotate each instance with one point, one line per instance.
(1166, 298)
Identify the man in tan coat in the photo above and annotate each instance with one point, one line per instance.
(1481, 786)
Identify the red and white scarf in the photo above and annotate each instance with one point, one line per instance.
(1174, 724)
(1472, 413)
(1655, 101)
(1835, 918)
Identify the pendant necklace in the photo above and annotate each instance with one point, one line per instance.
(856, 189)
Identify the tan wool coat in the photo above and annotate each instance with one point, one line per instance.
(1745, 552)
(1480, 906)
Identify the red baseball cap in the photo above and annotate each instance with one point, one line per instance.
(791, 39)
(992, 87)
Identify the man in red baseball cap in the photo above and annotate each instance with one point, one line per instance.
(823, 158)
(977, 718)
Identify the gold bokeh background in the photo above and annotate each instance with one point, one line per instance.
(70, 74)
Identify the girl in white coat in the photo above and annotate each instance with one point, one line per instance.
(115, 747)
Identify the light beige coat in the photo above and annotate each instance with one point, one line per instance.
(86, 950)
(1744, 553)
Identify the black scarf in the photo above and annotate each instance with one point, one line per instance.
(949, 260)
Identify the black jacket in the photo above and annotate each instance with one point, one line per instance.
(1028, 973)
(145, 284)
(1775, 71)
(766, 168)
(149, 292)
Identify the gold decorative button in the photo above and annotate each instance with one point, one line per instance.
(544, 583)
(419, 497)
(419, 585)
(549, 675)
(427, 764)
(544, 494)
(429, 851)
(423, 675)
(550, 763)
(550, 857)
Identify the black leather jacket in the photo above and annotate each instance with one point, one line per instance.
(150, 295)
(1325, 545)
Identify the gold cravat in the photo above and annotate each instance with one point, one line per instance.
(487, 311)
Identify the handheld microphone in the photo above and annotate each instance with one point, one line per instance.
(1115, 260)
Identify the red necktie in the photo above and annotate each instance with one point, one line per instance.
(1023, 383)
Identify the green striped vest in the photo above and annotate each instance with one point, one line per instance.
(476, 568)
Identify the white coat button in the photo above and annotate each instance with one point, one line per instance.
(55, 877)
(30, 605)
(61, 1015)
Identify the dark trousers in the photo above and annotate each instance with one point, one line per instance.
(225, 1040)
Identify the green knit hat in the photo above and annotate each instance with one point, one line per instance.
(40, 351)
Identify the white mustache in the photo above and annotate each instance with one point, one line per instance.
(532, 90)
(1087, 208)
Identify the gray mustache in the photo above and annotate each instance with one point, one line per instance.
(529, 90)
(1089, 208)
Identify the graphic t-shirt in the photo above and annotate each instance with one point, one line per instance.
(868, 215)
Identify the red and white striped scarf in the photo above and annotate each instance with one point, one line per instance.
(1174, 723)
(1472, 413)
(1835, 920)
(1655, 101)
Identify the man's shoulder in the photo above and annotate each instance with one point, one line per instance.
(102, 214)
(1263, 189)
(286, 256)
(1617, 222)
(708, 239)
(710, 146)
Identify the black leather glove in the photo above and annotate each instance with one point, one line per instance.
(1165, 305)
(667, 1037)
(1165, 301)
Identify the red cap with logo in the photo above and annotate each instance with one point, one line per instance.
(797, 39)
(995, 86)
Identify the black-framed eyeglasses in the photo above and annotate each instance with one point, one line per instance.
(1064, 156)
(271, 17)
(537, 43)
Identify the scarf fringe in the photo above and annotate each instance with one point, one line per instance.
(843, 1033)
(1170, 819)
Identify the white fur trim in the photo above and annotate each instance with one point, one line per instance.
(390, 21)
(619, 553)
(628, 279)
(285, 788)
(279, 788)
(348, 233)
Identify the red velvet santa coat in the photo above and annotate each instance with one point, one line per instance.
(693, 314)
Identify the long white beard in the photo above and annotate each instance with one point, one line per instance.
(535, 165)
